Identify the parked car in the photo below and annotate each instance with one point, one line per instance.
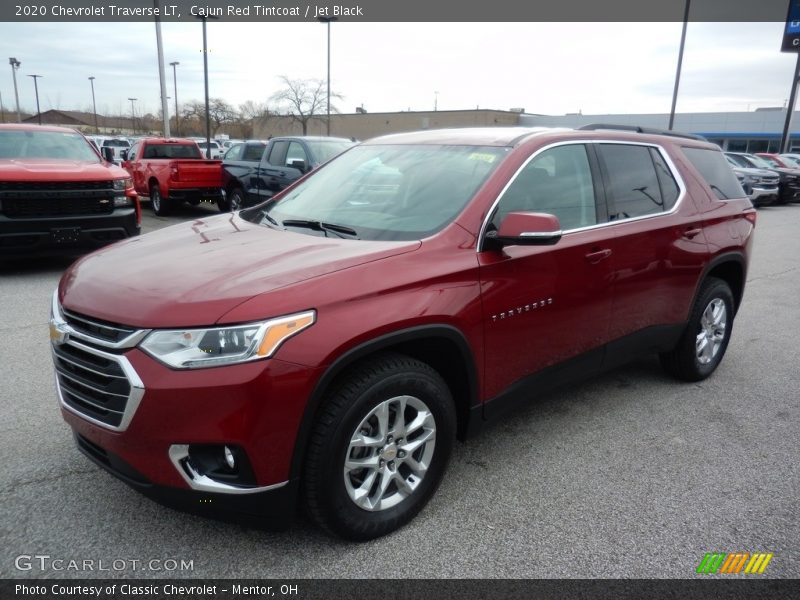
(776, 161)
(117, 144)
(58, 195)
(789, 186)
(171, 171)
(216, 149)
(794, 158)
(283, 161)
(327, 348)
(761, 185)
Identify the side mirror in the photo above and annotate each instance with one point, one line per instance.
(124, 155)
(526, 229)
(107, 153)
(300, 165)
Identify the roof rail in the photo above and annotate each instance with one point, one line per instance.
(637, 129)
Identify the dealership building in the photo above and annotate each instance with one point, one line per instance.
(752, 131)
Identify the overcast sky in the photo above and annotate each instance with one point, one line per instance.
(549, 68)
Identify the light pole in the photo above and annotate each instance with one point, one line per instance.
(14, 66)
(328, 20)
(36, 88)
(133, 115)
(175, 83)
(204, 18)
(435, 101)
(680, 63)
(94, 106)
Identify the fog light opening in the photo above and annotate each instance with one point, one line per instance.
(229, 459)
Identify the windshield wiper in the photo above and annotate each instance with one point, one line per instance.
(320, 226)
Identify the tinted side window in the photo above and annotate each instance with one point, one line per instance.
(717, 172)
(632, 182)
(558, 182)
(277, 156)
(253, 151)
(669, 187)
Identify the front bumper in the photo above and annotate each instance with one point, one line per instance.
(256, 407)
(65, 235)
(761, 196)
(271, 509)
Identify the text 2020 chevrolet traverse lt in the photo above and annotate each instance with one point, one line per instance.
(326, 348)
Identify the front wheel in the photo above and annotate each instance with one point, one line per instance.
(158, 202)
(379, 448)
(703, 343)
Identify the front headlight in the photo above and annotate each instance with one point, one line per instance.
(199, 348)
(123, 184)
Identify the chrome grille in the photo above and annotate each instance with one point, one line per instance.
(99, 329)
(101, 386)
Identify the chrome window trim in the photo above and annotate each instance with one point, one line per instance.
(63, 326)
(179, 455)
(664, 154)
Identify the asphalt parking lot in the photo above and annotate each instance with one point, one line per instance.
(629, 475)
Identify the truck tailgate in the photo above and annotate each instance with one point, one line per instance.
(197, 173)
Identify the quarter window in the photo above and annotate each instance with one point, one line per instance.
(558, 182)
(633, 185)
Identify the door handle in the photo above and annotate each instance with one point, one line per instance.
(596, 256)
(690, 234)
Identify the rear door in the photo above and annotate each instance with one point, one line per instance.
(660, 245)
(543, 305)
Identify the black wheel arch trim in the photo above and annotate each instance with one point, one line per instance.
(373, 346)
(726, 257)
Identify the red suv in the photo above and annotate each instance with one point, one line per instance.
(326, 347)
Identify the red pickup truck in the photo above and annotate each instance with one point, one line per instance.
(171, 171)
(58, 195)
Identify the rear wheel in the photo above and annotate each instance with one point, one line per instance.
(159, 203)
(379, 448)
(703, 343)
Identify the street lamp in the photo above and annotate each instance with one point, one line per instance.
(36, 88)
(204, 17)
(175, 82)
(94, 106)
(133, 115)
(328, 21)
(14, 66)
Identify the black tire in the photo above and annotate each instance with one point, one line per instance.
(384, 380)
(157, 201)
(684, 361)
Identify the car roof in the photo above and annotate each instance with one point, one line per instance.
(31, 127)
(472, 136)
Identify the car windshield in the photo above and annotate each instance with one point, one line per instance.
(65, 145)
(758, 161)
(792, 162)
(391, 192)
(327, 149)
(770, 161)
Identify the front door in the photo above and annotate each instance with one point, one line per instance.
(545, 304)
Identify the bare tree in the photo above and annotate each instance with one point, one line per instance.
(249, 113)
(303, 100)
(220, 113)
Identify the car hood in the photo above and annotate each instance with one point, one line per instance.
(756, 172)
(52, 169)
(193, 273)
